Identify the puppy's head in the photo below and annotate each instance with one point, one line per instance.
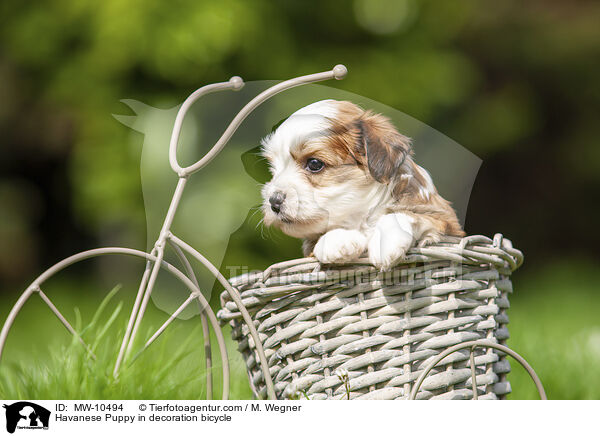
(330, 162)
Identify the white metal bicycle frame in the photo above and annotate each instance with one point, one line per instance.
(155, 260)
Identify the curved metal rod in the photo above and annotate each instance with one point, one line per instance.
(235, 83)
(483, 343)
(338, 72)
(205, 328)
(130, 252)
(235, 296)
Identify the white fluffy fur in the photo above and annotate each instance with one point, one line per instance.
(340, 245)
(394, 234)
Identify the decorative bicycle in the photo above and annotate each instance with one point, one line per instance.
(155, 258)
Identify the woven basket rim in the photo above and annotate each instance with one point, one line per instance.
(472, 249)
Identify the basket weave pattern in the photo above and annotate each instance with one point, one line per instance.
(382, 328)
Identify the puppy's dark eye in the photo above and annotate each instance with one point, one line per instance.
(314, 165)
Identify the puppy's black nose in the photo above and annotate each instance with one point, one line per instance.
(276, 200)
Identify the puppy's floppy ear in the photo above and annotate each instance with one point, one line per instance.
(385, 148)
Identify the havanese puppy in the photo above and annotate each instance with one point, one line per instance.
(344, 180)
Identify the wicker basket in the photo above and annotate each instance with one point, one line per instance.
(381, 329)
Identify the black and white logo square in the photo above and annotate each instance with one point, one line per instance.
(26, 415)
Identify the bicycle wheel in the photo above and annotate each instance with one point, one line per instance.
(207, 314)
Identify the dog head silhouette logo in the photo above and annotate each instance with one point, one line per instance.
(26, 415)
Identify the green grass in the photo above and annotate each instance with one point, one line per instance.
(172, 368)
(554, 324)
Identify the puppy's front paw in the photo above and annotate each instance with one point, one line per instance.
(340, 246)
(390, 241)
(430, 239)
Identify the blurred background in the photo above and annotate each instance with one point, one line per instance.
(515, 83)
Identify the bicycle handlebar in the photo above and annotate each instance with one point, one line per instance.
(235, 83)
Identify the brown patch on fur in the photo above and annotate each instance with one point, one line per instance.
(372, 142)
(322, 150)
(339, 163)
(368, 139)
(432, 209)
(385, 148)
(344, 135)
(339, 150)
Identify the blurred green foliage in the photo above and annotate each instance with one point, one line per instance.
(514, 83)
